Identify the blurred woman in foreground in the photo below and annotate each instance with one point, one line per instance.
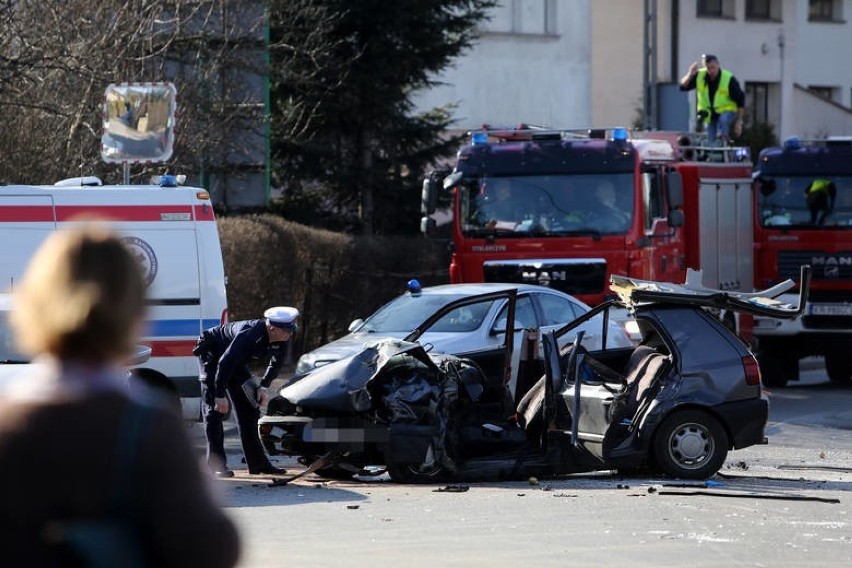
(76, 450)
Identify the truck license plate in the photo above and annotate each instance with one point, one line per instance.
(831, 309)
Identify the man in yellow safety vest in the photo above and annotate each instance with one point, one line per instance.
(820, 196)
(720, 101)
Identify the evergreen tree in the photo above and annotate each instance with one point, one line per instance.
(348, 149)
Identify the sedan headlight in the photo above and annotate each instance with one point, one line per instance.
(306, 363)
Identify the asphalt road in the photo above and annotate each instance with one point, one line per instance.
(783, 504)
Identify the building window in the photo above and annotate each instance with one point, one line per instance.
(769, 10)
(550, 17)
(825, 11)
(757, 103)
(824, 92)
(530, 17)
(716, 8)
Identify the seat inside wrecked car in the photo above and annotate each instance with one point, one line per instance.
(629, 386)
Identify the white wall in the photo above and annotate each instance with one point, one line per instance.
(617, 69)
(814, 117)
(525, 75)
(822, 52)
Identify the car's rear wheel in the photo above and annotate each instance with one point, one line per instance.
(690, 444)
(838, 366)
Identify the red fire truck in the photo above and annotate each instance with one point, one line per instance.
(591, 204)
(803, 215)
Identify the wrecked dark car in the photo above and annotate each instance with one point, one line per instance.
(676, 404)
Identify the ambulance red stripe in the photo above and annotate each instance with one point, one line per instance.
(26, 214)
(143, 213)
(122, 212)
(171, 348)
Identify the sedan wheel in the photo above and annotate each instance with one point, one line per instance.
(690, 444)
(429, 471)
(415, 473)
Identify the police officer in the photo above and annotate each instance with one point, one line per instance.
(225, 352)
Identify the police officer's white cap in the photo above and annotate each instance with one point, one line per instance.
(282, 316)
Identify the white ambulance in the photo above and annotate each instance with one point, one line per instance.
(172, 231)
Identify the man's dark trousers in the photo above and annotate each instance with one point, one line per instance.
(247, 416)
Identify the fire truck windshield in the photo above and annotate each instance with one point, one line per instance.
(547, 205)
(806, 202)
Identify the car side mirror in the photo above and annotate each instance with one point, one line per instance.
(675, 218)
(141, 353)
(355, 325)
(452, 179)
(674, 190)
(427, 226)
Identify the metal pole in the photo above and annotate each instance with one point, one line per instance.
(781, 98)
(655, 123)
(126, 166)
(646, 99)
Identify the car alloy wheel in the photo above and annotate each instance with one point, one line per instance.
(690, 444)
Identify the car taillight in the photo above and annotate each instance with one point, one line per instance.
(752, 370)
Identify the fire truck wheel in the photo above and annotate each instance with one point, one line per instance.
(838, 367)
(777, 368)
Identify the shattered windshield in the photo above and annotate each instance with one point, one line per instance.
(406, 312)
(547, 205)
(805, 201)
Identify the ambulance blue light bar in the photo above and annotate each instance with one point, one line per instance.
(168, 180)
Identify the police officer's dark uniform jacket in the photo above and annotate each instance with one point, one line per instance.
(232, 346)
(225, 352)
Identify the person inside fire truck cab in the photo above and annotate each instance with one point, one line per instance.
(720, 100)
(820, 196)
(608, 214)
(501, 206)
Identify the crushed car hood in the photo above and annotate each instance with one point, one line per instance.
(342, 386)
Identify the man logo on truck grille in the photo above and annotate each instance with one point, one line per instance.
(144, 255)
(831, 265)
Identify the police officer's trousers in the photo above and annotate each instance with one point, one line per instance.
(247, 415)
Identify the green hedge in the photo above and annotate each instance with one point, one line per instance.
(332, 278)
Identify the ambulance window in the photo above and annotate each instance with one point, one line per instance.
(652, 196)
